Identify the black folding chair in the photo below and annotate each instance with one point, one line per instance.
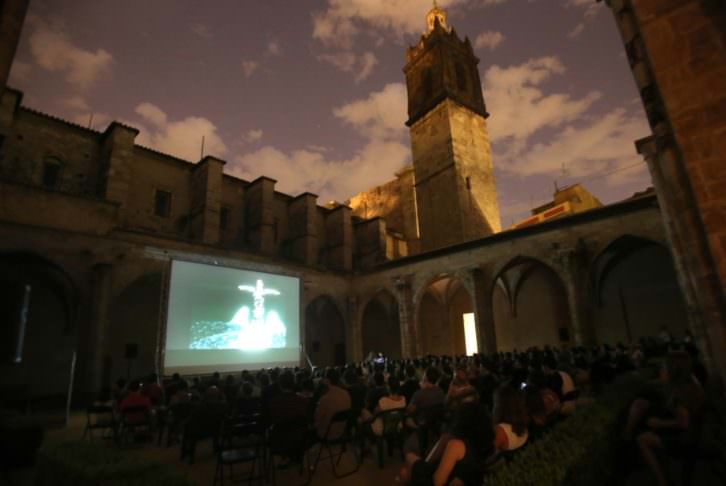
(288, 439)
(100, 417)
(240, 443)
(205, 422)
(345, 421)
(393, 421)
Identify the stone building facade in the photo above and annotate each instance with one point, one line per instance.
(677, 52)
(90, 222)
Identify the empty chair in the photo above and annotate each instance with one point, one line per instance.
(100, 417)
(288, 439)
(239, 444)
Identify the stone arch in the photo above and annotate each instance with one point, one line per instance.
(440, 306)
(134, 318)
(530, 306)
(38, 318)
(636, 291)
(380, 325)
(325, 339)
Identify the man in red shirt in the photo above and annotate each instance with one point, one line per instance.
(135, 399)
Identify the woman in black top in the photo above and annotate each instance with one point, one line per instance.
(459, 455)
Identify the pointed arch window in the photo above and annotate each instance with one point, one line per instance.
(52, 172)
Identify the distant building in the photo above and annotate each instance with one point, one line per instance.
(566, 201)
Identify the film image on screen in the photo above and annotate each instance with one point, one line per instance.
(220, 317)
(258, 328)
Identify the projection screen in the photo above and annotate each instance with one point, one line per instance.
(226, 319)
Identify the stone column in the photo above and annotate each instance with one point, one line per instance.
(12, 16)
(206, 200)
(260, 220)
(339, 239)
(573, 263)
(354, 338)
(117, 152)
(302, 231)
(101, 281)
(481, 291)
(406, 318)
(680, 226)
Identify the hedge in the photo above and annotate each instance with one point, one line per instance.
(84, 464)
(581, 451)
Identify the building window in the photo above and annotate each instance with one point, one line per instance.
(223, 218)
(461, 77)
(162, 203)
(51, 174)
(427, 83)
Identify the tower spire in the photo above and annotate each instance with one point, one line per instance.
(436, 13)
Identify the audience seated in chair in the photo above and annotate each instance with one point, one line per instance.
(510, 418)
(667, 419)
(458, 456)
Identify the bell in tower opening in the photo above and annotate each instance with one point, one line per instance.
(455, 188)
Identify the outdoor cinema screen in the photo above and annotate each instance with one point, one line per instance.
(226, 319)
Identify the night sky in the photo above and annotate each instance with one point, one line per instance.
(312, 93)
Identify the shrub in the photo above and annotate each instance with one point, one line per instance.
(579, 451)
(85, 464)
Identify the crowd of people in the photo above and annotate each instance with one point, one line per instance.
(490, 406)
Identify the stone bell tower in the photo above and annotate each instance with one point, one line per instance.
(455, 190)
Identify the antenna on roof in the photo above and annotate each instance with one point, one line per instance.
(90, 121)
(201, 156)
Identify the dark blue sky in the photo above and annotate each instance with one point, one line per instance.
(311, 92)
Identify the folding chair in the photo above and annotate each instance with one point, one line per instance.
(239, 444)
(100, 417)
(392, 432)
(344, 419)
(287, 438)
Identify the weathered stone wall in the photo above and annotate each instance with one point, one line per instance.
(395, 202)
(31, 139)
(112, 167)
(677, 51)
(455, 190)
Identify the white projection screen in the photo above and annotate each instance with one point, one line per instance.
(226, 319)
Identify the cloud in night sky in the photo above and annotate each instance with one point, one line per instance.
(253, 136)
(488, 40)
(519, 105)
(202, 30)
(274, 48)
(574, 33)
(249, 67)
(344, 19)
(589, 8)
(349, 62)
(368, 62)
(76, 103)
(53, 51)
(522, 110)
(180, 138)
(20, 72)
(378, 118)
